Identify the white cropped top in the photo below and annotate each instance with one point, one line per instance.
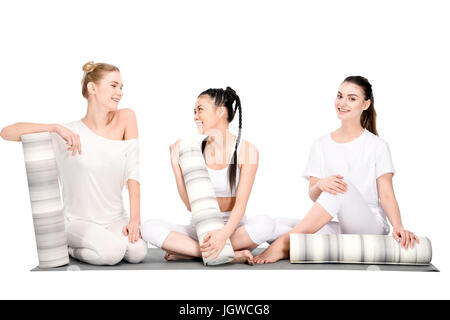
(219, 178)
(92, 183)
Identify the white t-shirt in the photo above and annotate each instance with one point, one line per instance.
(92, 182)
(361, 161)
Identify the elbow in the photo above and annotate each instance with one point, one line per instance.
(240, 206)
(5, 134)
(8, 134)
(312, 196)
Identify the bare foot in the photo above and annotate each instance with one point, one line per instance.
(276, 251)
(243, 256)
(172, 256)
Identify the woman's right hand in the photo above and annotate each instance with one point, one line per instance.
(333, 184)
(72, 139)
(404, 237)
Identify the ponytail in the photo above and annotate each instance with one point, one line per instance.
(368, 117)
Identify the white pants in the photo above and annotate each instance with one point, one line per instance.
(259, 228)
(351, 210)
(95, 244)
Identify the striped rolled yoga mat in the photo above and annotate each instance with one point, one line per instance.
(355, 248)
(204, 207)
(46, 204)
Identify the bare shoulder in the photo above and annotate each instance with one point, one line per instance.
(248, 153)
(174, 145)
(126, 114)
(248, 146)
(127, 118)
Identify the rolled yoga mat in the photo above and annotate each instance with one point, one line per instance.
(204, 207)
(355, 248)
(46, 205)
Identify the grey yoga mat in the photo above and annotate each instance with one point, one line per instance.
(355, 248)
(204, 207)
(46, 204)
(155, 261)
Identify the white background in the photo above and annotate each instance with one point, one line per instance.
(286, 60)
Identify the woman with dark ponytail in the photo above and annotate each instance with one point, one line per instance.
(350, 178)
(232, 164)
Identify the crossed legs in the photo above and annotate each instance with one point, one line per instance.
(181, 242)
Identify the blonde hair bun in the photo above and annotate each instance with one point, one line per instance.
(94, 72)
(89, 66)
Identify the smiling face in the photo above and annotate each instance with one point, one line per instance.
(108, 91)
(350, 102)
(207, 115)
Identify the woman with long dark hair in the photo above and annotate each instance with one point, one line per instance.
(232, 164)
(350, 178)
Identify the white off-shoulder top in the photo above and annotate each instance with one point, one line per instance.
(92, 183)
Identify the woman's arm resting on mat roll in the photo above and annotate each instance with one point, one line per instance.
(181, 187)
(14, 131)
(214, 241)
(392, 210)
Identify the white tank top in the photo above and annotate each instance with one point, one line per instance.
(219, 178)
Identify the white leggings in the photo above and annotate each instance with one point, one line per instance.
(95, 244)
(259, 228)
(351, 210)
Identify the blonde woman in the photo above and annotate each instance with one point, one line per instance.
(97, 156)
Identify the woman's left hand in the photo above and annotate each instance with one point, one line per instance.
(213, 243)
(133, 231)
(407, 238)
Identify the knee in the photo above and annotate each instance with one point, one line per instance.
(350, 186)
(339, 196)
(154, 232)
(112, 254)
(260, 228)
(349, 195)
(332, 203)
(136, 252)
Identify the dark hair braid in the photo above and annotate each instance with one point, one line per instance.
(227, 98)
